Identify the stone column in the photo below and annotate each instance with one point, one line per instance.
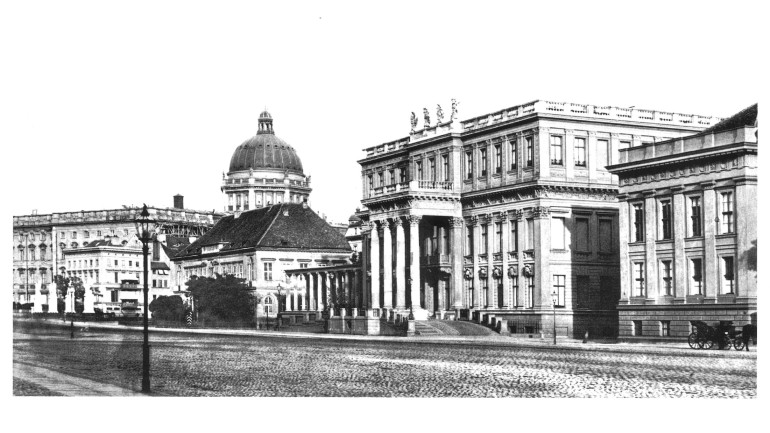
(311, 296)
(490, 295)
(457, 263)
(521, 246)
(319, 295)
(679, 265)
(542, 249)
(308, 287)
(387, 266)
(400, 265)
(326, 286)
(744, 264)
(374, 265)
(650, 236)
(474, 225)
(414, 269)
(504, 250)
(710, 221)
(626, 289)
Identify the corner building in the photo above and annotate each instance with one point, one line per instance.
(688, 227)
(484, 219)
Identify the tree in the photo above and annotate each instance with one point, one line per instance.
(224, 298)
(168, 308)
(62, 286)
(80, 293)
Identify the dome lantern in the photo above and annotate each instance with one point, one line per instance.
(265, 123)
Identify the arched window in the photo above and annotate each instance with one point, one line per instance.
(74, 245)
(21, 252)
(268, 300)
(43, 250)
(31, 252)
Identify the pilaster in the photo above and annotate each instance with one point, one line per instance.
(457, 261)
(387, 266)
(542, 246)
(400, 265)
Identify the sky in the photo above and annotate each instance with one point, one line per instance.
(110, 104)
(105, 104)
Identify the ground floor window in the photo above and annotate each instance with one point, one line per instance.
(637, 328)
(529, 295)
(665, 328)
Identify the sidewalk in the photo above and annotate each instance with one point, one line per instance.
(68, 386)
(679, 348)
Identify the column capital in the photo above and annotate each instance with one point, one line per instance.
(540, 212)
(592, 133)
(397, 222)
(474, 220)
(456, 222)
(516, 214)
(414, 220)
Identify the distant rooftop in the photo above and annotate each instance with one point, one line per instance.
(549, 107)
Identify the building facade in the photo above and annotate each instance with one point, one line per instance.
(507, 215)
(688, 236)
(264, 170)
(42, 243)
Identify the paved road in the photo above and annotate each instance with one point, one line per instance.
(200, 365)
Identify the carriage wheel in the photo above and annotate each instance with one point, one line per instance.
(706, 343)
(738, 344)
(692, 340)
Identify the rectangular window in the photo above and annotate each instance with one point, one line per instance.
(530, 151)
(498, 158)
(665, 219)
(581, 235)
(605, 236)
(728, 276)
(432, 169)
(557, 234)
(402, 174)
(114, 293)
(445, 167)
(695, 217)
(303, 265)
(529, 298)
(530, 233)
(469, 241)
(483, 162)
(515, 290)
(665, 328)
(514, 153)
(603, 154)
(637, 324)
(380, 179)
(484, 234)
(580, 152)
(391, 176)
(513, 240)
(696, 272)
(498, 237)
(370, 179)
(665, 276)
(557, 150)
(237, 201)
(418, 169)
(727, 212)
(638, 218)
(74, 235)
(86, 234)
(469, 165)
(639, 279)
(268, 267)
(560, 289)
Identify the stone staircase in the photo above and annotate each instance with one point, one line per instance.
(423, 327)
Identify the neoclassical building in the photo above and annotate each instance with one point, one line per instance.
(264, 170)
(688, 230)
(508, 215)
(48, 244)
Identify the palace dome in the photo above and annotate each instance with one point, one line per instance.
(265, 151)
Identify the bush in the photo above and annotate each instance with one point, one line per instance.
(45, 308)
(169, 308)
(223, 299)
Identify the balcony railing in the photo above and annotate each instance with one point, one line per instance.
(415, 185)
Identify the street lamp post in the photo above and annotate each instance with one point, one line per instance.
(143, 232)
(278, 316)
(554, 298)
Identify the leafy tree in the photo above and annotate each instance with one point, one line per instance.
(224, 298)
(168, 308)
(80, 293)
(62, 286)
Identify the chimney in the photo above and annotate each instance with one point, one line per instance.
(179, 201)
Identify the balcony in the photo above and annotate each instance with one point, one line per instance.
(412, 186)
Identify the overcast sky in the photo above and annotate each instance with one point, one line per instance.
(109, 105)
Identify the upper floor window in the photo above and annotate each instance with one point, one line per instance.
(484, 236)
(557, 233)
(445, 167)
(639, 279)
(605, 236)
(603, 153)
(530, 151)
(469, 241)
(728, 276)
(469, 165)
(380, 179)
(74, 235)
(580, 152)
(392, 176)
(665, 274)
(483, 162)
(559, 286)
(638, 221)
(432, 168)
(727, 212)
(530, 233)
(370, 178)
(695, 216)
(696, 272)
(514, 238)
(268, 268)
(498, 237)
(514, 153)
(418, 169)
(665, 219)
(581, 234)
(498, 158)
(557, 149)
(402, 175)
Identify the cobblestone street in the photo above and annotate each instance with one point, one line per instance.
(201, 365)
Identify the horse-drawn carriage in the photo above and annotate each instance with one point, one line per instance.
(723, 335)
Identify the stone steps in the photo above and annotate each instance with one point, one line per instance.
(424, 328)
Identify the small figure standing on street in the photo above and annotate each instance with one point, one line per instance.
(72, 328)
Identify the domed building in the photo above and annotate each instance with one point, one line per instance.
(264, 170)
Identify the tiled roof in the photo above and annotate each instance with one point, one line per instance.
(745, 117)
(286, 226)
(159, 265)
(175, 244)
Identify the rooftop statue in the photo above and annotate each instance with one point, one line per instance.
(426, 115)
(414, 121)
(439, 114)
(453, 116)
